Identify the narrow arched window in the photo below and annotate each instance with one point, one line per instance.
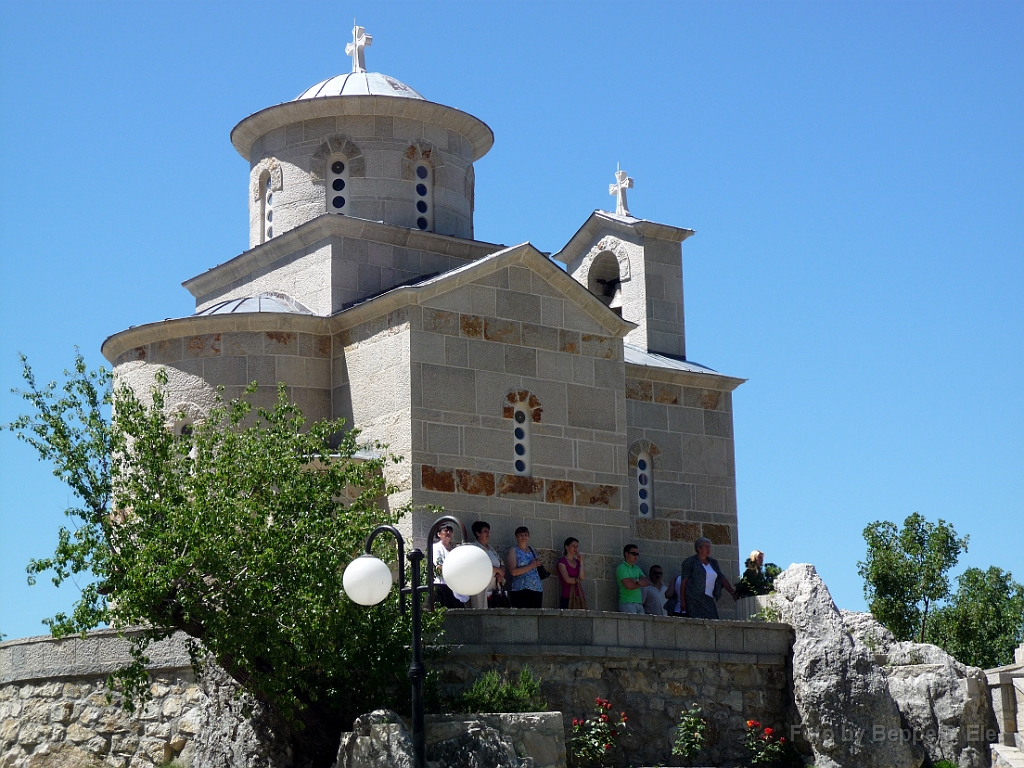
(522, 417)
(605, 281)
(644, 486)
(266, 209)
(424, 180)
(337, 184)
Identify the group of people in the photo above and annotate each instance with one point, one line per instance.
(516, 581)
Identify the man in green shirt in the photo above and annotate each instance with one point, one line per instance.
(631, 581)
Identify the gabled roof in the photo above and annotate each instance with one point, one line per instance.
(524, 254)
(599, 220)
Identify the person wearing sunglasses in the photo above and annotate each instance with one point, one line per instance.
(631, 581)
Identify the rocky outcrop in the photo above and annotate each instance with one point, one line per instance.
(865, 699)
(530, 740)
(945, 703)
(841, 695)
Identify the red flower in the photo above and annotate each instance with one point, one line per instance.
(782, 740)
(607, 746)
(614, 732)
(604, 718)
(769, 732)
(598, 701)
(753, 724)
(575, 722)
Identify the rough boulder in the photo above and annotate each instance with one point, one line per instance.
(945, 703)
(841, 695)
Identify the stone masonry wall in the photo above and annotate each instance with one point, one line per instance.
(651, 667)
(54, 709)
(477, 352)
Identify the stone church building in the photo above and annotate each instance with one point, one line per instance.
(518, 392)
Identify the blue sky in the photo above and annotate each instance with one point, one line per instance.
(854, 171)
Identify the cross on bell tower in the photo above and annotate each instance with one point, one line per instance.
(622, 183)
(360, 40)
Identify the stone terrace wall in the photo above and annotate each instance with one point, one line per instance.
(54, 709)
(651, 667)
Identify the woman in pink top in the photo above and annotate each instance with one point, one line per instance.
(570, 571)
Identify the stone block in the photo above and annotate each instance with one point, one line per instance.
(521, 361)
(695, 635)
(653, 529)
(504, 331)
(605, 630)
(486, 356)
(169, 351)
(448, 389)
(602, 347)
(583, 370)
(761, 641)
(440, 321)
(511, 305)
(488, 443)
(482, 300)
(554, 365)
(475, 483)
(456, 351)
(559, 492)
(510, 626)
(521, 487)
(229, 371)
(688, 420)
(660, 633)
(205, 345)
(566, 630)
(609, 374)
(597, 457)
(709, 498)
(280, 343)
(728, 638)
(520, 279)
(552, 312)
(538, 336)
(683, 531)
(667, 394)
(707, 399)
(632, 633)
(443, 438)
(434, 479)
(590, 407)
(596, 495)
(569, 342)
(718, 423)
(719, 534)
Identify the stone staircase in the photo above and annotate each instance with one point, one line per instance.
(1007, 686)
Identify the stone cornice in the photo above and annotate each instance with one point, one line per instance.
(260, 123)
(686, 378)
(331, 225)
(150, 333)
(599, 220)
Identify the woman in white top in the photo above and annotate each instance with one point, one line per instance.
(702, 583)
(443, 592)
(482, 532)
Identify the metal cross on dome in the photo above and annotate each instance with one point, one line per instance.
(622, 183)
(360, 40)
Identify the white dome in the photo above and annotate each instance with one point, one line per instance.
(360, 84)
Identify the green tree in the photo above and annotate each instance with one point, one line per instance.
(984, 620)
(235, 533)
(907, 571)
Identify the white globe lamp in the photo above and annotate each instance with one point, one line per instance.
(466, 569)
(367, 580)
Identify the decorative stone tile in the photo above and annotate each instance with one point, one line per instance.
(440, 321)
(505, 331)
(433, 479)
(680, 531)
(207, 345)
(719, 534)
(653, 529)
(597, 346)
(569, 341)
(540, 336)
(596, 495)
(475, 483)
(523, 487)
(472, 326)
(638, 389)
(558, 492)
(669, 394)
(281, 343)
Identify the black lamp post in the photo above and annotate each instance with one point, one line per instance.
(367, 580)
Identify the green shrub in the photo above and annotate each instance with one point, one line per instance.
(495, 693)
